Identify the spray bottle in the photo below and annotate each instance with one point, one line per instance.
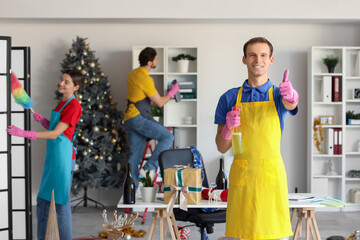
(236, 140)
(177, 96)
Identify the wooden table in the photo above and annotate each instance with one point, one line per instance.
(163, 216)
(305, 210)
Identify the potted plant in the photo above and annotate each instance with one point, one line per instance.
(183, 61)
(352, 118)
(331, 61)
(156, 112)
(148, 191)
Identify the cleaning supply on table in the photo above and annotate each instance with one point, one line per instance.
(21, 97)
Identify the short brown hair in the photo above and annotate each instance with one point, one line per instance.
(146, 55)
(258, 40)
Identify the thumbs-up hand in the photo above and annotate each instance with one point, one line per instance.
(287, 91)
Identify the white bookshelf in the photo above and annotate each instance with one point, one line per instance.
(339, 185)
(175, 112)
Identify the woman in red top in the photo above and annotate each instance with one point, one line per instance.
(60, 155)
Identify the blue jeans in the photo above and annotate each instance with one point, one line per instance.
(139, 130)
(63, 213)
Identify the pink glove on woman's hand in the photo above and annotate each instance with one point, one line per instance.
(174, 88)
(287, 91)
(232, 120)
(41, 119)
(15, 131)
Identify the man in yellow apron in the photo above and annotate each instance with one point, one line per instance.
(258, 205)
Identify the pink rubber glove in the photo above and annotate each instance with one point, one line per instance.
(232, 120)
(15, 131)
(287, 91)
(174, 89)
(41, 119)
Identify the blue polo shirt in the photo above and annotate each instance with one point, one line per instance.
(251, 94)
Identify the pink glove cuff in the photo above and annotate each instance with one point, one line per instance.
(30, 135)
(45, 123)
(226, 133)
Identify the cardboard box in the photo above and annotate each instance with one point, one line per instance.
(190, 177)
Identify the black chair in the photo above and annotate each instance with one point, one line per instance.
(203, 220)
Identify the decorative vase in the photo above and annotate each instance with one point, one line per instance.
(148, 194)
(331, 69)
(183, 66)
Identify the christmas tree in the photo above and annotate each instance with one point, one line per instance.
(101, 140)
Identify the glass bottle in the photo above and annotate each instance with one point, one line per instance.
(221, 180)
(129, 188)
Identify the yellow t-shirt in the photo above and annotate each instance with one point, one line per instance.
(139, 86)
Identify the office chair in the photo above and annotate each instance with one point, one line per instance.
(171, 157)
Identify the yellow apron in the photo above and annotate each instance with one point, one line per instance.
(258, 206)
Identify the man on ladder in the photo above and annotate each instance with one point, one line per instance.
(139, 122)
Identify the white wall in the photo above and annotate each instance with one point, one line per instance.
(184, 9)
(220, 68)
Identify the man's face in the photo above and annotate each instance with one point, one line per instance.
(153, 63)
(258, 59)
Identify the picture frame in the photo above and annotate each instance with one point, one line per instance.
(356, 93)
(327, 119)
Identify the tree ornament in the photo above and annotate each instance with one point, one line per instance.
(93, 79)
(79, 134)
(110, 96)
(85, 81)
(86, 140)
(108, 84)
(101, 158)
(82, 138)
(118, 148)
(102, 74)
(91, 143)
(97, 79)
(105, 129)
(107, 116)
(84, 153)
(104, 153)
(91, 82)
(113, 131)
(109, 158)
(128, 237)
(113, 140)
(85, 53)
(95, 128)
(118, 167)
(80, 96)
(89, 150)
(96, 157)
(82, 61)
(101, 106)
(72, 54)
(84, 72)
(78, 68)
(92, 65)
(81, 120)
